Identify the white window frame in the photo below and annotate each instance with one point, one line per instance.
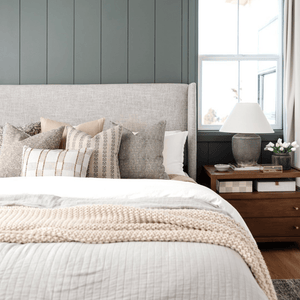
(245, 57)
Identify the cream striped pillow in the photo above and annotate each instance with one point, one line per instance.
(45, 162)
(104, 162)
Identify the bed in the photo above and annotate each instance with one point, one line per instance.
(114, 268)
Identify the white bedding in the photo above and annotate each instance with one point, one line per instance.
(137, 270)
(118, 189)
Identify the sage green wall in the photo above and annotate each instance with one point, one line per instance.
(97, 41)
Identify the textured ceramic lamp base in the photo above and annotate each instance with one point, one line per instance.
(246, 149)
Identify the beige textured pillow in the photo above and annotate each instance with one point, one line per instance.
(104, 162)
(91, 128)
(12, 147)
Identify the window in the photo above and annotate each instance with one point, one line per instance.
(240, 58)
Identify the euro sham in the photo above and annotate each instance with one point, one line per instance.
(91, 128)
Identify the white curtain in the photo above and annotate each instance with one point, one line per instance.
(291, 104)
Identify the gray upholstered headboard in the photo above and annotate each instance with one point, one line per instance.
(133, 105)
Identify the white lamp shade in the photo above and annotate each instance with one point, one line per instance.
(247, 118)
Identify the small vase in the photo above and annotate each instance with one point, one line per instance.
(283, 159)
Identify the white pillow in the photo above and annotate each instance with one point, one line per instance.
(174, 152)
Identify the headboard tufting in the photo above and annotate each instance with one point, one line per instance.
(132, 104)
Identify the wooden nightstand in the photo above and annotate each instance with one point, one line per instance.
(271, 216)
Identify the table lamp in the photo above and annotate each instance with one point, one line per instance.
(246, 120)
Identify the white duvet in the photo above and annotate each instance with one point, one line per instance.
(118, 189)
(137, 270)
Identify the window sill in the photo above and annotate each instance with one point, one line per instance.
(217, 136)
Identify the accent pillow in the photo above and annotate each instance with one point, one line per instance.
(46, 162)
(91, 128)
(12, 147)
(104, 161)
(141, 155)
(174, 152)
(31, 129)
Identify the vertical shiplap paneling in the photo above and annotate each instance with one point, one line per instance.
(9, 42)
(87, 41)
(141, 41)
(33, 41)
(168, 41)
(114, 41)
(193, 41)
(185, 40)
(60, 41)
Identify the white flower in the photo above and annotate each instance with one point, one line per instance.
(285, 145)
(271, 149)
(293, 149)
(281, 148)
(270, 144)
(279, 141)
(294, 143)
(277, 145)
(288, 144)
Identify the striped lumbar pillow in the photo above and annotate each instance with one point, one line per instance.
(45, 162)
(104, 162)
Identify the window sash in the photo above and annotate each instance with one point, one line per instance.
(239, 58)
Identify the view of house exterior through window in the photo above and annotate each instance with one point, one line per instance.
(240, 58)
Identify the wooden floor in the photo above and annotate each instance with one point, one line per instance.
(282, 259)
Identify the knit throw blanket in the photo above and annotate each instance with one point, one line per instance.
(117, 223)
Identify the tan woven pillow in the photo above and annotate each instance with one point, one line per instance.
(91, 128)
(104, 162)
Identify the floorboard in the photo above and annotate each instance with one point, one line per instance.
(282, 259)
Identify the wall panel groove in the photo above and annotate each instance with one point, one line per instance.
(128, 10)
(19, 42)
(33, 42)
(74, 14)
(87, 42)
(61, 41)
(101, 26)
(114, 41)
(168, 41)
(47, 39)
(154, 41)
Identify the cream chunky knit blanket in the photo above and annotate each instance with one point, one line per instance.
(117, 223)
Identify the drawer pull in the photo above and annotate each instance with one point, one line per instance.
(296, 227)
(296, 208)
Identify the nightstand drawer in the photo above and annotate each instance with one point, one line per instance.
(267, 207)
(277, 227)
